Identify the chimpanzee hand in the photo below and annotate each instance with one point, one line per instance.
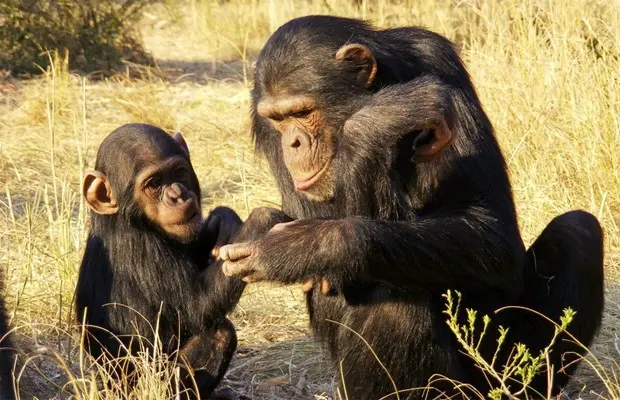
(239, 260)
(221, 226)
(248, 260)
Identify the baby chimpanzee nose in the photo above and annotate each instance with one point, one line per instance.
(175, 193)
(176, 190)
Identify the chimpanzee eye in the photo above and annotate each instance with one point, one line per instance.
(276, 117)
(300, 114)
(180, 172)
(154, 182)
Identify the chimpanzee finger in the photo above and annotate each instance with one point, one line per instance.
(236, 251)
(213, 224)
(325, 287)
(253, 277)
(226, 235)
(307, 285)
(238, 268)
(243, 269)
(210, 231)
(229, 224)
(215, 252)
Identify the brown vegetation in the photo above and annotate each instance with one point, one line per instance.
(548, 75)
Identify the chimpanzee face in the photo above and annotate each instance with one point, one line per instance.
(167, 192)
(152, 179)
(306, 139)
(306, 120)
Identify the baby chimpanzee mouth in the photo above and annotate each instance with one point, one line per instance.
(196, 214)
(186, 211)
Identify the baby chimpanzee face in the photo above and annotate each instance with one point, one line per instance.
(167, 192)
(145, 175)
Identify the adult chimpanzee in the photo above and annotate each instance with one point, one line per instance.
(384, 155)
(6, 355)
(148, 252)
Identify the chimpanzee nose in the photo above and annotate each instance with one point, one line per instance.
(176, 190)
(295, 139)
(175, 193)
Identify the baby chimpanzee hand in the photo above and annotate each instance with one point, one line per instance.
(220, 228)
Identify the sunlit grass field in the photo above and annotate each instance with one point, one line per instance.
(548, 75)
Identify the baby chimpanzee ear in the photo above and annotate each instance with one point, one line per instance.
(98, 193)
(179, 139)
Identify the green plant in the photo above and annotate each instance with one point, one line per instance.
(521, 366)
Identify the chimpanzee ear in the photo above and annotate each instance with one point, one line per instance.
(361, 56)
(179, 139)
(98, 193)
(430, 143)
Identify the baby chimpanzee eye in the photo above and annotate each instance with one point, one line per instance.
(180, 172)
(154, 182)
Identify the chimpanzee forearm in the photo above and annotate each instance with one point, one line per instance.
(259, 222)
(453, 251)
(396, 110)
(221, 293)
(460, 251)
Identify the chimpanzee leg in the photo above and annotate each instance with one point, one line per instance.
(564, 268)
(208, 355)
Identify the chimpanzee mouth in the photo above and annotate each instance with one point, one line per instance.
(195, 215)
(194, 212)
(189, 210)
(305, 184)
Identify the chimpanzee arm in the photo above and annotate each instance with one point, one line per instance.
(222, 293)
(465, 244)
(219, 229)
(467, 251)
(219, 293)
(397, 110)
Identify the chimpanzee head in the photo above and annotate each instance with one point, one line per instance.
(305, 80)
(311, 76)
(144, 179)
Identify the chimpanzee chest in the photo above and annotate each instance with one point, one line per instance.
(368, 308)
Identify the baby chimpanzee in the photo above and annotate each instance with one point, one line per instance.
(146, 262)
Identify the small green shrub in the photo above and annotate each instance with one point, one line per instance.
(511, 380)
(98, 34)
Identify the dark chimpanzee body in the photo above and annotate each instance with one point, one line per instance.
(382, 151)
(148, 251)
(6, 355)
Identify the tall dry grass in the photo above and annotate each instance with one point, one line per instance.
(548, 75)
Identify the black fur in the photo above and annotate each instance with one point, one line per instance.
(151, 277)
(6, 355)
(397, 234)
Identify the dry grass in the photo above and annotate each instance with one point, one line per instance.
(548, 75)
